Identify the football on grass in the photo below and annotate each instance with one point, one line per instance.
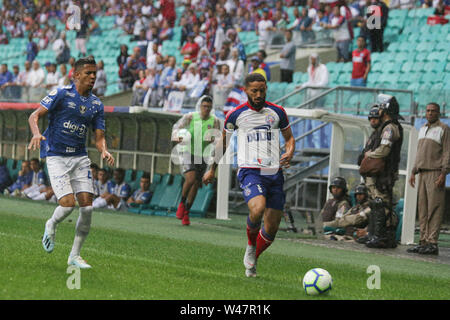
(317, 281)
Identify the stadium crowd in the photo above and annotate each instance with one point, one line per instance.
(113, 192)
(215, 59)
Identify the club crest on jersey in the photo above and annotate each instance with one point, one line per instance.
(270, 119)
(230, 126)
(83, 109)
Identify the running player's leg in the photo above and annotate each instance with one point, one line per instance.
(189, 181)
(83, 188)
(267, 233)
(60, 181)
(256, 206)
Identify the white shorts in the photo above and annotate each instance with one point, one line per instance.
(70, 175)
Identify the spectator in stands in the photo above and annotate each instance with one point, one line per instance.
(51, 80)
(118, 192)
(94, 27)
(189, 79)
(140, 88)
(439, 8)
(306, 24)
(101, 82)
(23, 78)
(361, 64)
(376, 34)
(94, 170)
(168, 76)
(215, 36)
(236, 67)
(32, 48)
(264, 30)
(64, 79)
(81, 34)
(38, 189)
(62, 49)
(3, 37)
(142, 195)
(335, 207)
(287, 56)
(14, 87)
(23, 180)
(5, 179)
(249, 23)
(72, 68)
(402, 4)
(261, 54)
(168, 11)
(320, 21)
(166, 32)
(6, 77)
(37, 75)
(191, 48)
(140, 24)
(341, 35)
(225, 79)
(317, 77)
(280, 22)
(101, 184)
(255, 66)
(152, 52)
(124, 75)
(236, 43)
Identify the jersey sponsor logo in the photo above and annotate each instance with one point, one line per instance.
(47, 100)
(70, 149)
(71, 105)
(75, 128)
(53, 92)
(70, 94)
(259, 136)
(97, 102)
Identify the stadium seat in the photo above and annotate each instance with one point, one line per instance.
(129, 176)
(171, 198)
(202, 201)
(157, 195)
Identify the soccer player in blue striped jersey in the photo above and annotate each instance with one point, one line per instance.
(258, 124)
(71, 111)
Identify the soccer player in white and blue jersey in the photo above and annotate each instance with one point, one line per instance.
(258, 124)
(71, 110)
(117, 194)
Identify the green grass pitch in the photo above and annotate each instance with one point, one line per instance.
(148, 257)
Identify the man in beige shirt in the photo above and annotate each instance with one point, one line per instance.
(432, 164)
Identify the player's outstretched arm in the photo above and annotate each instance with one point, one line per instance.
(100, 143)
(33, 120)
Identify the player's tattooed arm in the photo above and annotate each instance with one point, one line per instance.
(33, 120)
(285, 160)
(100, 143)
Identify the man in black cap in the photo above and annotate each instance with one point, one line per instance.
(386, 146)
(340, 203)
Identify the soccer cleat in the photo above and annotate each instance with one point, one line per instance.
(250, 273)
(250, 257)
(48, 240)
(185, 221)
(78, 262)
(181, 210)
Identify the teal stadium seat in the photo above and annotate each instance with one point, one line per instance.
(157, 196)
(202, 201)
(171, 198)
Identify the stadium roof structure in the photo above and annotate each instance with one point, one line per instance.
(349, 134)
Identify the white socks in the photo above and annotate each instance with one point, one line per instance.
(58, 216)
(82, 229)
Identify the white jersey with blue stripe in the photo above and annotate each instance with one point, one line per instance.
(39, 178)
(258, 134)
(122, 190)
(69, 117)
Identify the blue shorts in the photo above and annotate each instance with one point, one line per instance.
(253, 184)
